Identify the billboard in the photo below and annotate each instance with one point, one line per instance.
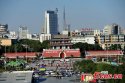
(5, 42)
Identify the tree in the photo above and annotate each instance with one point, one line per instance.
(78, 45)
(35, 45)
(85, 46)
(97, 47)
(46, 44)
(115, 47)
(86, 66)
(89, 66)
(25, 45)
(15, 48)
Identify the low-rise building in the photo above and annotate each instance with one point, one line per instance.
(60, 42)
(105, 41)
(83, 39)
(3, 29)
(104, 55)
(60, 53)
(87, 31)
(35, 36)
(75, 33)
(13, 35)
(44, 37)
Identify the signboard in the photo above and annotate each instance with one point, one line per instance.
(5, 42)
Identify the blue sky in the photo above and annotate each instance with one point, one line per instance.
(79, 13)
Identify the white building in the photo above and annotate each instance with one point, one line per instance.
(75, 33)
(29, 36)
(35, 36)
(87, 31)
(83, 39)
(123, 31)
(107, 30)
(97, 32)
(23, 31)
(65, 32)
(13, 35)
(51, 22)
(44, 37)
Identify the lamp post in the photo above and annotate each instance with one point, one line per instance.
(5, 57)
(0, 44)
(107, 51)
(26, 52)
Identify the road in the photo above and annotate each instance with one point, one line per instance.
(63, 80)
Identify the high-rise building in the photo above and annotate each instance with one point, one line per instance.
(23, 32)
(51, 22)
(112, 29)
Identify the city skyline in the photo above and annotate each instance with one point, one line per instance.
(78, 13)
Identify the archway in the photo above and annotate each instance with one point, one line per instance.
(62, 55)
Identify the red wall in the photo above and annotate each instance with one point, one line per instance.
(56, 53)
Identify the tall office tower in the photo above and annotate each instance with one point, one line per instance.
(51, 22)
(116, 29)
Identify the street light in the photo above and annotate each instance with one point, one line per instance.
(26, 52)
(5, 57)
(107, 51)
(0, 43)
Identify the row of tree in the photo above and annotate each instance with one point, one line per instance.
(25, 45)
(86, 46)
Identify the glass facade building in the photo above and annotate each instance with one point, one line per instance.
(51, 22)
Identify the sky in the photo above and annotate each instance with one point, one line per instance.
(79, 13)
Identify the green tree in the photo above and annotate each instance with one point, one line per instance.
(35, 45)
(85, 46)
(25, 45)
(115, 47)
(86, 66)
(89, 66)
(46, 44)
(106, 67)
(15, 48)
(97, 47)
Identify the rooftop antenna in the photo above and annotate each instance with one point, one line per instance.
(64, 19)
(56, 10)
